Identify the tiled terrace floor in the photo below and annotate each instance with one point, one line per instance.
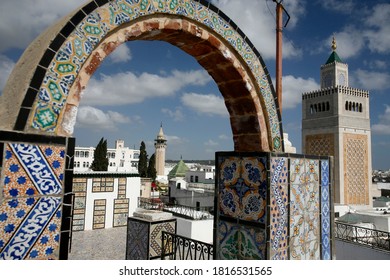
(100, 244)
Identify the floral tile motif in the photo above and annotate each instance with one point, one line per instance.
(105, 19)
(33, 170)
(30, 228)
(227, 238)
(278, 209)
(238, 242)
(242, 188)
(304, 209)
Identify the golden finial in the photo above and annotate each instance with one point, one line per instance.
(334, 46)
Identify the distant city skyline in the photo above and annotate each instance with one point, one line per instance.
(142, 84)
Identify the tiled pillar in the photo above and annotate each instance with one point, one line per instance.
(144, 232)
(273, 206)
(35, 200)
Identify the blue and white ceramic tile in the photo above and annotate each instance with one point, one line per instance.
(30, 228)
(278, 209)
(325, 211)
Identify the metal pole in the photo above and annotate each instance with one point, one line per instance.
(279, 39)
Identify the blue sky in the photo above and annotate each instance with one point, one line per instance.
(142, 84)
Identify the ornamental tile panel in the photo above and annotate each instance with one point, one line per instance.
(242, 188)
(325, 211)
(278, 209)
(304, 209)
(33, 170)
(137, 247)
(227, 239)
(30, 228)
(156, 236)
(240, 242)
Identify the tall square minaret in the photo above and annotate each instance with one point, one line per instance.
(336, 122)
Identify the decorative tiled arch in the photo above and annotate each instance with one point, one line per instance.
(45, 102)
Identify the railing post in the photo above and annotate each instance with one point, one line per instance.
(163, 245)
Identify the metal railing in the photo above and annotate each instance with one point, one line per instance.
(364, 236)
(150, 203)
(193, 213)
(177, 247)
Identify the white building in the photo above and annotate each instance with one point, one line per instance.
(121, 158)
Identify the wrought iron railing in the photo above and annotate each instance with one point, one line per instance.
(193, 213)
(364, 236)
(150, 203)
(177, 247)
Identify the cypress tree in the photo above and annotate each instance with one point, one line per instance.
(152, 172)
(143, 161)
(100, 160)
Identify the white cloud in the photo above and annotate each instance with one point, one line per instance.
(205, 104)
(211, 143)
(177, 115)
(121, 54)
(344, 6)
(6, 66)
(370, 80)
(383, 126)
(378, 23)
(128, 88)
(175, 140)
(372, 33)
(23, 20)
(256, 18)
(224, 137)
(97, 119)
(293, 89)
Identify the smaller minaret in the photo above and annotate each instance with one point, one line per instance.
(160, 143)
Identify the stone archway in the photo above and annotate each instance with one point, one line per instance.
(39, 104)
(43, 92)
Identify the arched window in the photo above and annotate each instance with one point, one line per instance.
(327, 106)
(360, 108)
(346, 105)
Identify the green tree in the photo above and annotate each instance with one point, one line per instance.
(143, 161)
(100, 160)
(152, 172)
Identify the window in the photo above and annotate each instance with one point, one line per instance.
(196, 179)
